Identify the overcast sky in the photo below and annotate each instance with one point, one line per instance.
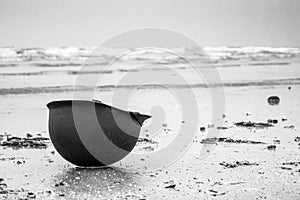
(43, 23)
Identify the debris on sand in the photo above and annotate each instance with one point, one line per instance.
(222, 127)
(216, 193)
(283, 118)
(237, 164)
(297, 139)
(292, 163)
(276, 141)
(28, 142)
(146, 141)
(271, 147)
(291, 127)
(273, 121)
(171, 186)
(3, 187)
(228, 140)
(286, 168)
(237, 183)
(31, 195)
(147, 148)
(129, 196)
(250, 124)
(273, 100)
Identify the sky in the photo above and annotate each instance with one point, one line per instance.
(48, 23)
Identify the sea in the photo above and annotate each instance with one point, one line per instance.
(32, 77)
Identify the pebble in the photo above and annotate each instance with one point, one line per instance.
(283, 118)
(273, 100)
(271, 147)
(31, 195)
(202, 128)
(276, 141)
(273, 121)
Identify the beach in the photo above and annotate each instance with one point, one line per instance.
(246, 162)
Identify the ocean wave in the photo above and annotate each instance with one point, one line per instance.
(71, 88)
(70, 56)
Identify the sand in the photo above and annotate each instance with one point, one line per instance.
(230, 171)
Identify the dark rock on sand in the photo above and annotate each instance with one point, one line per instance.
(297, 139)
(237, 164)
(273, 100)
(250, 124)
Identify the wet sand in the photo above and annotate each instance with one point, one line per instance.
(230, 171)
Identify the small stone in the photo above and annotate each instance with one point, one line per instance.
(271, 147)
(248, 113)
(273, 100)
(297, 139)
(28, 135)
(276, 141)
(202, 128)
(283, 118)
(19, 162)
(289, 87)
(31, 195)
(273, 121)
